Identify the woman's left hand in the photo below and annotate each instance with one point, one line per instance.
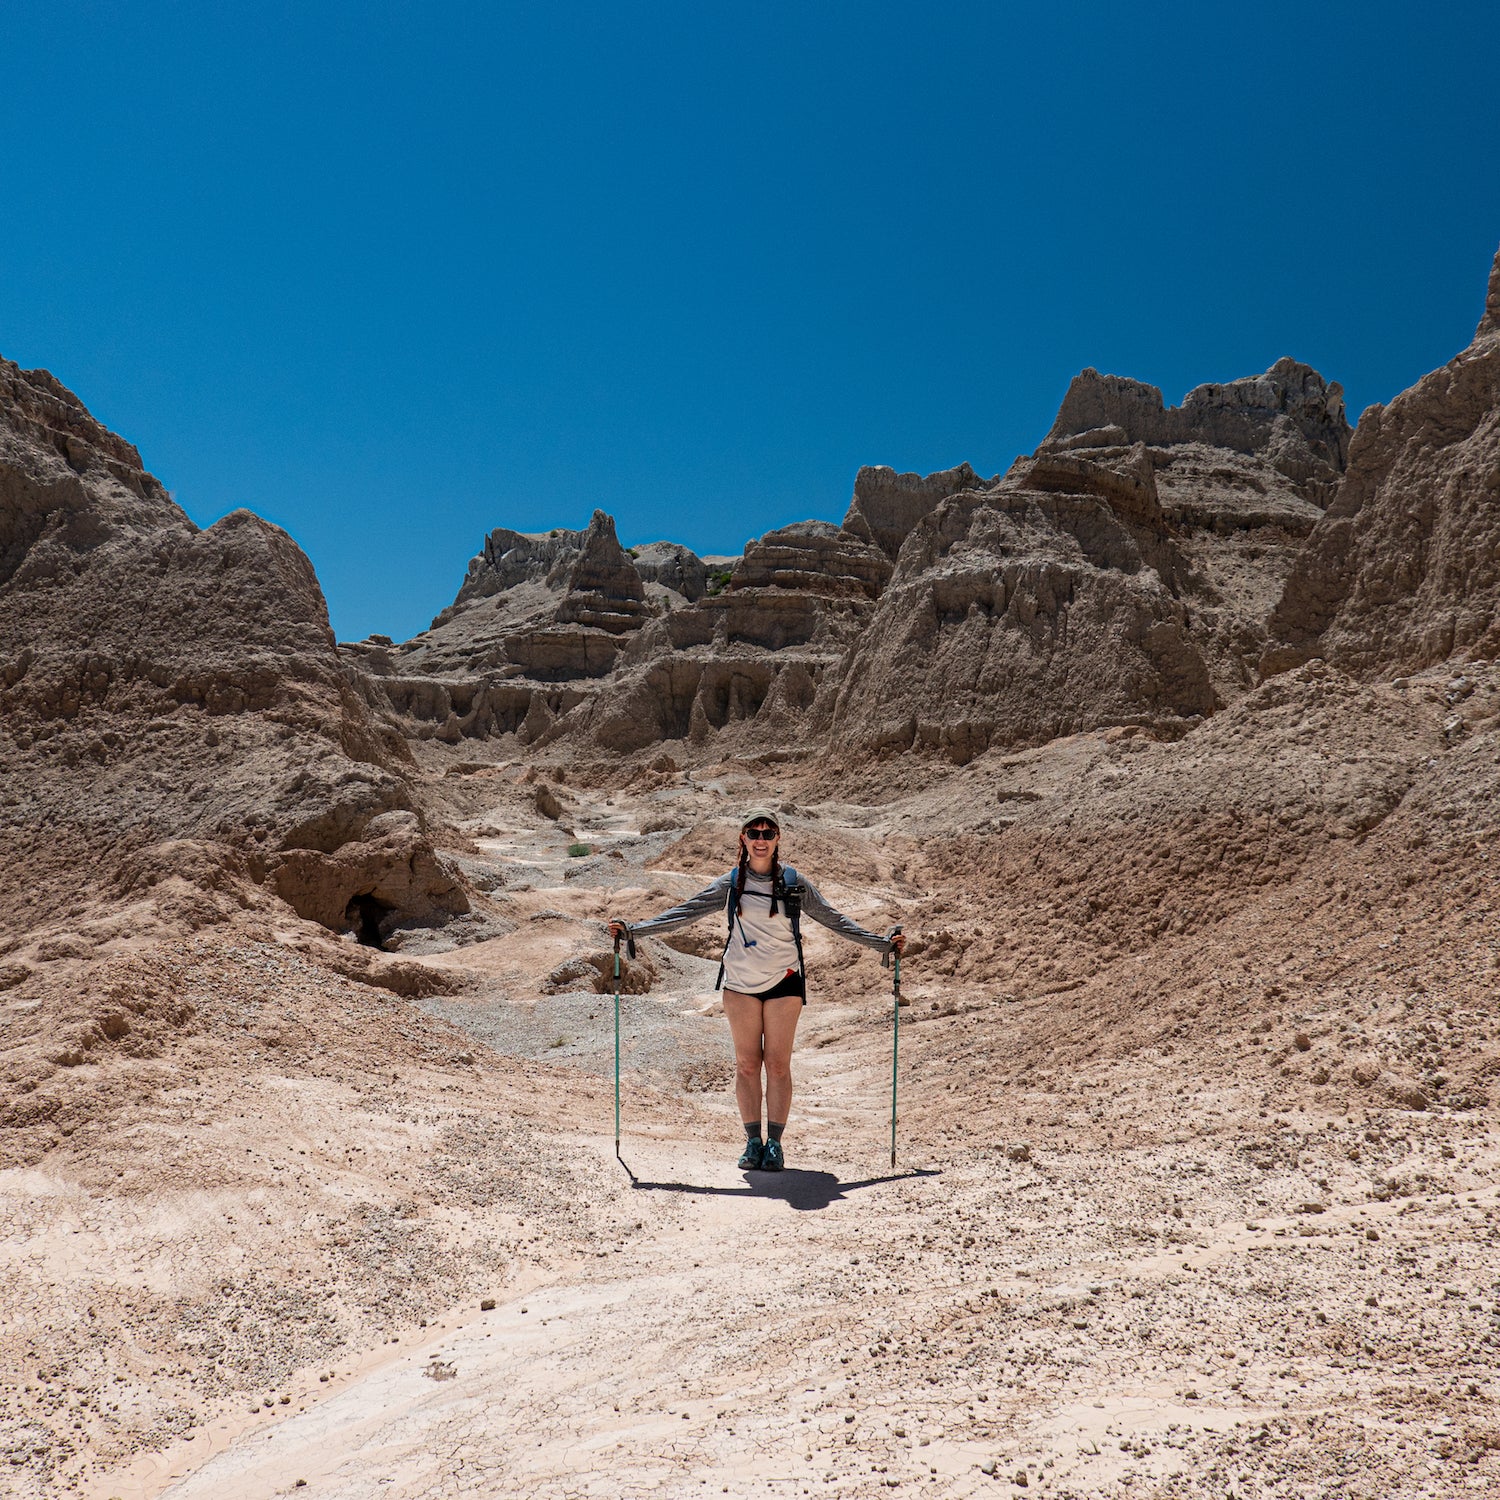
(898, 942)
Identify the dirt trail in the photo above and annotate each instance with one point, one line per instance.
(846, 1330)
(1093, 1284)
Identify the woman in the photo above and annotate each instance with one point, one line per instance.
(765, 986)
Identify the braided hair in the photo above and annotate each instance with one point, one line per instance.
(743, 871)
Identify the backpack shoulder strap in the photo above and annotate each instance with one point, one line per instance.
(734, 876)
(791, 894)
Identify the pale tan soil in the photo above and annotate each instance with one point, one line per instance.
(1207, 1272)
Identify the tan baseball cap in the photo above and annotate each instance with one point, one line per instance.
(760, 815)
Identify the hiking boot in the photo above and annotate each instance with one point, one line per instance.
(772, 1158)
(754, 1155)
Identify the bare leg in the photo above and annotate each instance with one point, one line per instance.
(779, 1025)
(743, 1012)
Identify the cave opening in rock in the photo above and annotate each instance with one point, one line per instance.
(365, 914)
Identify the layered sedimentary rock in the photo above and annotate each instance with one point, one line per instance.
(554, 607)
(887, 505)
(754, 651)
(540, 620)
(1174, 527)
(164, 688)
(1241, 470)
(1404, 570)
(1127, 485)
(810, 582)
(671, 566)
(568, 633)
(510, 558)
(694, 695)
(1035, 608)
(1290, 416)
(815, 557)
(603, 588)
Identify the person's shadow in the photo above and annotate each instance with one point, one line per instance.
(807, 1192)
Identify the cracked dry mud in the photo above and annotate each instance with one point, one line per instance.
(1144, 1270)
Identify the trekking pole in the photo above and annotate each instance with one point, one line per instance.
(617, 1048)
(630, 949)
(895, 1034)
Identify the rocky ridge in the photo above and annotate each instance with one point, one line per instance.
(1037, 608)
(1290, 417)
(1121, 574)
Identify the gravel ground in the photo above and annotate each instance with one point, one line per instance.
(1205, 1210)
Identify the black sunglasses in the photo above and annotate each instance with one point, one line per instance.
(762, 831)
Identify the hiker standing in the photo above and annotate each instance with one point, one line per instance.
(762, 973)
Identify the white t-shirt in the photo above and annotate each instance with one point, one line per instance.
(761, 948)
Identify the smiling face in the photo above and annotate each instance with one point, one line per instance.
(759, 838)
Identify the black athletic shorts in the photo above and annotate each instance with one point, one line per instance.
(792, 984)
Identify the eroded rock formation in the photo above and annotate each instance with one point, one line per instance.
(1290, 416)
(554, 607)
(1241, 470)
(813, 557)
(1035, 608)
(1404, 570)
(887, 505)
(165, 687)
(673, 567)
(1122, 573)
(603, 588)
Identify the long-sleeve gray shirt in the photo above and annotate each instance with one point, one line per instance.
(761, 949)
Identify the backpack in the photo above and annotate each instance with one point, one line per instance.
(786, 889)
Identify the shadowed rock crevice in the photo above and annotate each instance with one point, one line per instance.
(363, 916)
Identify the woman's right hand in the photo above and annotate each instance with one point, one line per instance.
(617, 930)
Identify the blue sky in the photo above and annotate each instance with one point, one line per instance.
(394, 275)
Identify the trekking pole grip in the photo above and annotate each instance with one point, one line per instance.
(627, 937)
(885, 961)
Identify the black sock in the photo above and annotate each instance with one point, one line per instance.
(774, 1130)
(752, 1130)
